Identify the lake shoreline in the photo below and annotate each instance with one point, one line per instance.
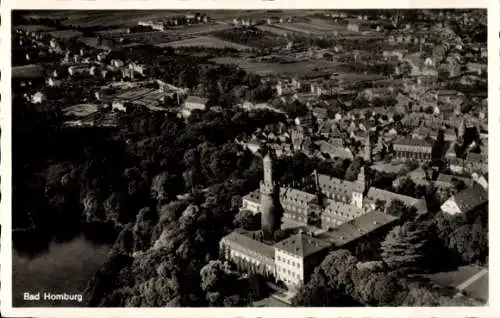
(61, 268)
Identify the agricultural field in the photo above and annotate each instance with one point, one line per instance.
(299, 69)
(272, 29)
(228, 16)
(80, 110)
(253, 38)
(335, 25)
(206, 41)
(90, 18)
(113, 32)
(27, 71)
(162, 38)
(35, 28)
(148, 38)
(65, 34)
(308, 28)
(199, 29)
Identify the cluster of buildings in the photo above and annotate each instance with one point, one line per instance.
(176, 21)
(331, 213)
(242, 21)
(128, 86)
(334, 213)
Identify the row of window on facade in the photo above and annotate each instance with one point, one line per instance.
(294, 208)
(330, 187)
(336, 196)
(331, 220)
(287, 261)
(341, 213)
(288, 272)
(237, 251)
(412, 149)
(416, 155)
(292, 199)
(251, 205)
(295, 217)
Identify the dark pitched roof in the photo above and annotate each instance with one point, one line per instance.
(387, 196)
(448, 178)
(412, 142)
(338, 186)
(341, 210)
(320, 111)
(299, 196)
(333, 151)
(475, 157)
(302, 245)
(471, 198)
(253, 196)
(356, 228)
(243, 241)
(418, 173)
(196, 100)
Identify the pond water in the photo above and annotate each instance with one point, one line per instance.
(63, 268)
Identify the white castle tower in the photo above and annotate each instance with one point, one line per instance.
(268, 196)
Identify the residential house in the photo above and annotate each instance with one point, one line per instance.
(378, 199)
(413, 149)
(466, 201)
(193, 103)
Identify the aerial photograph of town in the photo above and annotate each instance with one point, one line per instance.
(249, 158)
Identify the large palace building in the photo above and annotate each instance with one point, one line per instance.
(335, 213)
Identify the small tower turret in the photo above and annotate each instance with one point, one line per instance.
(297, 136)
(367, 150)
(357, 195)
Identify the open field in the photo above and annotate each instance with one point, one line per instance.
(272, 29)
(113, 32)
(255, 38)
(320, 22)
(94, 43)
(151, 38)
(206, 41)
(322, 27)
(308, 28)
(257, 14)
(123, 18)
(27, 71)
(162, 38)
(265, 69)
(65, 34)
(89, 18)
(34, 28)
(199, 29)
(80, 110)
